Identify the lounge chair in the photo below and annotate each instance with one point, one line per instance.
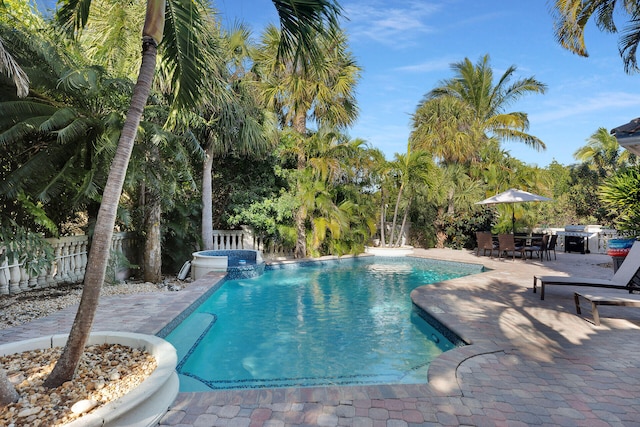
(605, 297)
(485, 243)
(626, 278)
(506, 244)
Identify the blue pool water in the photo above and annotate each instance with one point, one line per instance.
(331, 323)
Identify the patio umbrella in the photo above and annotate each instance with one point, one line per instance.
(513, 196)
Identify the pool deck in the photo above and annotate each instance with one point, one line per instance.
(530, 362)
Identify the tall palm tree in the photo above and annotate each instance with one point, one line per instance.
(232, 120)
(572, 16)
(323, 92)
(474, 85)
(299, 19)
(602, 152)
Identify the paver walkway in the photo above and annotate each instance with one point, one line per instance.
(530, 362)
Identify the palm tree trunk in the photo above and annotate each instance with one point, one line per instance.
(404, 222)
(301, 233)
(451, 206)
(383, 217)
(153, 245)
(99, 253)
(207, 202)
(300, 125)
(395, 215)
(152, 257)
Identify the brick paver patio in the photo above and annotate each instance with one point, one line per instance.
(529, 362)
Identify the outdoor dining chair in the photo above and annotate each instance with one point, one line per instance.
(538, 246)
(485, 243)
(506, 244)
(551, 246)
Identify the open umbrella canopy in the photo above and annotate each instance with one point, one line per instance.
(513, 196)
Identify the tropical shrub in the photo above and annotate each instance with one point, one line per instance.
(621, 194)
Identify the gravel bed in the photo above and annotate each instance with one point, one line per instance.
(26, 306)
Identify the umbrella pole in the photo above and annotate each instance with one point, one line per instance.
(513, 220)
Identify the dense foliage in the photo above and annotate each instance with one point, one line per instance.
(268, 168)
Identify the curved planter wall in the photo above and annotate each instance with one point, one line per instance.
(206, 261)
(142, 406)
(238, 263)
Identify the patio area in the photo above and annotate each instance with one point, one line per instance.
(530, 362)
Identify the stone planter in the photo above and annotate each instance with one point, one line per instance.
(141, 407)
(385, 251)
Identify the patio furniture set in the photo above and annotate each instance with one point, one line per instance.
(541, 244)
(626, 278)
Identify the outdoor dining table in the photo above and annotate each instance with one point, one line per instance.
(529, 241)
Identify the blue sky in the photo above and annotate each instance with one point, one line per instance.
(406, 47)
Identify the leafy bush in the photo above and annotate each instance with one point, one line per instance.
(621, 194)
(29, 249)
(461, 228)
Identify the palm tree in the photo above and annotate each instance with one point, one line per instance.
(466, 116)
(474, 85)
(323, 92)
(298, 19)
(602, 153)
(572, 16)
(62, 136)
(231, 120)
(412, 171)
(325, 191)
(113, 37)
(159, 173)
(444, 127)
(11, 69)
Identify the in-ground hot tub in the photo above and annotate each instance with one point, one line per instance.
(238, 263)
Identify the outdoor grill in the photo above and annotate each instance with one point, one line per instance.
(577, 237)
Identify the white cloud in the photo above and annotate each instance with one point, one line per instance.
(395, 25)
(439, 64)
(604, 102)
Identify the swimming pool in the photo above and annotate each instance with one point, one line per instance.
(343, 322)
